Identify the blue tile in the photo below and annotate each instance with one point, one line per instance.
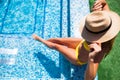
(19, 19)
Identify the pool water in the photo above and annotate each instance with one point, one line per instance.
(23, 58)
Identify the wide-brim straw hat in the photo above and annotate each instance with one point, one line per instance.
(100, 26)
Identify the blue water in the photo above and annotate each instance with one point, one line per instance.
(21, 57)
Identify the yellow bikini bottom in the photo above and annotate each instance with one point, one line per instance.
(77, 51)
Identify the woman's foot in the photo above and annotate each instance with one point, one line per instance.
(36, 37)
(46, 42)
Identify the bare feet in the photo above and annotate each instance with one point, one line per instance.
(36, 37)
(46, 42)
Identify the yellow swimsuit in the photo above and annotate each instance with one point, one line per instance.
(77, 51)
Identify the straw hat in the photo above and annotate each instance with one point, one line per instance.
(100, 26)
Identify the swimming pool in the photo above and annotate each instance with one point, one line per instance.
(21, 57)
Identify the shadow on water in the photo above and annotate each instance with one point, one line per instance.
(53, 70)
(49, 65)
(64, 68)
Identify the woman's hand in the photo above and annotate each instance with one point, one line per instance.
(99, 5)
(95, 49)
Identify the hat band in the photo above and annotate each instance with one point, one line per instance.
(100, 31)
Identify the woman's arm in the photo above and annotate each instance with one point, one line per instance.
(92, 66)
(91, 70)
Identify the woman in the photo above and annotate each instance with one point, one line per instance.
(98, 30)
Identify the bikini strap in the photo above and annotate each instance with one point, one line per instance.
(77, 48)
(86, 46)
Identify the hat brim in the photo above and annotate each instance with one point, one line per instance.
(104, 36)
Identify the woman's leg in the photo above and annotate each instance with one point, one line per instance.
(47, 43)
(69, 53)
(69, 42)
